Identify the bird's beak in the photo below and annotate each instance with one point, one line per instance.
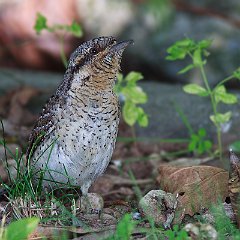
(118, 48)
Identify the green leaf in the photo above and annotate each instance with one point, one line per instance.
(130, 113)
(205, 43)
(119, 77)
(197, 58)
(135, 94)
(221, 117)
(133, 77)
(176, 53)
(221, 95)
(76, 29)
(186, 69)
(118, 86)
(21, 229)
(193, 88)
(197, 143)
(125, 228)
(142, 117)
(202, 132)
(192, 146)
(236, 74)
(180, 49)
(41, 23)
(207, 145)
(235, 146)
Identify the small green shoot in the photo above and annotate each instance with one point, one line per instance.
(59, 29)
(198, 53)
(176, 233)
(41, 24)
(198, 144)
(124, 228)
(223, 224)
(133, 95)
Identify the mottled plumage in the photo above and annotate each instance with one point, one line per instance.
(73, 139)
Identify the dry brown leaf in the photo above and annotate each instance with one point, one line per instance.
(198, 186)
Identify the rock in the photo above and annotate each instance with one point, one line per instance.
(201, 231)
(92, 203)
(165, 122)
(13, 78)
(158, 206)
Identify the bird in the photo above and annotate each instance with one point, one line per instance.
(74, 137)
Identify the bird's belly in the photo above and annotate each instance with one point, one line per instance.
(81, 152)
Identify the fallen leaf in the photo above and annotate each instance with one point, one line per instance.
(198, 186)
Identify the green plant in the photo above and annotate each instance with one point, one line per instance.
(20, 229)
(176, 233)
(198, 53)
(198, 143)
(133, 95)
(223, 224)
(124, 228)
(59, 29)
(22, 194)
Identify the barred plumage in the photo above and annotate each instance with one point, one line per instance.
(79, 124)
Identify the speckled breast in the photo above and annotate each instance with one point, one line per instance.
(83, 140)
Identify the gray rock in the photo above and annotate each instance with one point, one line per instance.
(165, 122)
(201, 231)
(92, 203)
(158, 206)
(13, 78)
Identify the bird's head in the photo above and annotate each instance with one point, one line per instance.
(98, 57)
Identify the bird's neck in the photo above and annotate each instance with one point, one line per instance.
(100, 81)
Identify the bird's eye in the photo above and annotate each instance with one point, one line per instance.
(108, 59)
(93, 51)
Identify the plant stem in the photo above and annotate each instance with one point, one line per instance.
(62, 52)
(214, 107)
(224, 81)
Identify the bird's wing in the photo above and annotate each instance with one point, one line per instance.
(45, 122)
(42, 128)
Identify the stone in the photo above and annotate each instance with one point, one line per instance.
(158, 206)
(92, 203)
(201, 231)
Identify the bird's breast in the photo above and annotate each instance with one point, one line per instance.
(88, 126)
